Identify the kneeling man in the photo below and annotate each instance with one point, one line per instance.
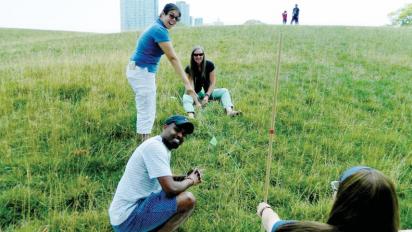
(148, 196)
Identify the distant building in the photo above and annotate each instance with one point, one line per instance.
(198, 22)
(253, 22)
(218, 23)
(185, 10)
(137, 14)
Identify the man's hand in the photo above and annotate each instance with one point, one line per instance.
(195, 175)
(198, 172)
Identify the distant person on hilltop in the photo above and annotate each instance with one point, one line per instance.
(285, 17)
(202, 77)
(295, 15)
(141, 71)
(148, 197)
(365, 201)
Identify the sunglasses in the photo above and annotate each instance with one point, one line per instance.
(335, 184)
(198, 54)
(172, 16)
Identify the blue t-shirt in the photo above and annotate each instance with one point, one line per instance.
(148, 51)
(281, 223)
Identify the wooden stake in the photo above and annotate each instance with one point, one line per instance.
(272, 131)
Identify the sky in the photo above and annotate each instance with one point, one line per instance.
(103, 16)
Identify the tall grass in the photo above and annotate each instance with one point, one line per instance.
(67, 122)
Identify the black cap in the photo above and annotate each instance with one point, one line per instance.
(182, 122)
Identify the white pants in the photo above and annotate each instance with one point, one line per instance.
(143, 84)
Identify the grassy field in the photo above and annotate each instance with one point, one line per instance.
(67, 122)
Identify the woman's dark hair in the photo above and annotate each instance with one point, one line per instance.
(366, 201)
(194, 66)
(169, 7)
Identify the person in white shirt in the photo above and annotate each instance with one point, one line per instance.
(148, 197)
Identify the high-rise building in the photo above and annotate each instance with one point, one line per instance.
(137, 14)
(218, 22)
(184, 9)
(198, 21)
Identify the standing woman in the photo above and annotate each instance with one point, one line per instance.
(141, 71)
(201, 74)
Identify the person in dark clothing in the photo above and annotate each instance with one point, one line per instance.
(201, 74)
(295, 15)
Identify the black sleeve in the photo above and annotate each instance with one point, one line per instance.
(210, 66)
(187, 69)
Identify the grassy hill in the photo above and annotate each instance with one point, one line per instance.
(67, 122)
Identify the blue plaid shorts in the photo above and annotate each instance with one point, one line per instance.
(151, 212)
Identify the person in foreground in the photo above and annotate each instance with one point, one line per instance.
(142, 67)
(201, 74)
(365, 201)
(148, 197)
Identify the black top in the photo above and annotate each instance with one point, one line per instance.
(198, 80)
(296, 12)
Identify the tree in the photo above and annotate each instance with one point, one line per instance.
(403, 16)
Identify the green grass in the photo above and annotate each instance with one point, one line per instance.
(67, 122)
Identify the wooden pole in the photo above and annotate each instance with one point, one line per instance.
(272, 131)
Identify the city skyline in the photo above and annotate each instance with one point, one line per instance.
(185, 11)
(104, 15)
(137, 14)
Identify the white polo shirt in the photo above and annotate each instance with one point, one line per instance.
(148, 162)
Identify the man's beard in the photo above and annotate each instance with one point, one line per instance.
(171, 145)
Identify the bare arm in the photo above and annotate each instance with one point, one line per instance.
(167, 48)
(212, 78)
(209, 91)
(172, 187)
(269, 217)
(179, 178)
(196, 99)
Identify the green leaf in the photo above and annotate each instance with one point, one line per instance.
(213, 141)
